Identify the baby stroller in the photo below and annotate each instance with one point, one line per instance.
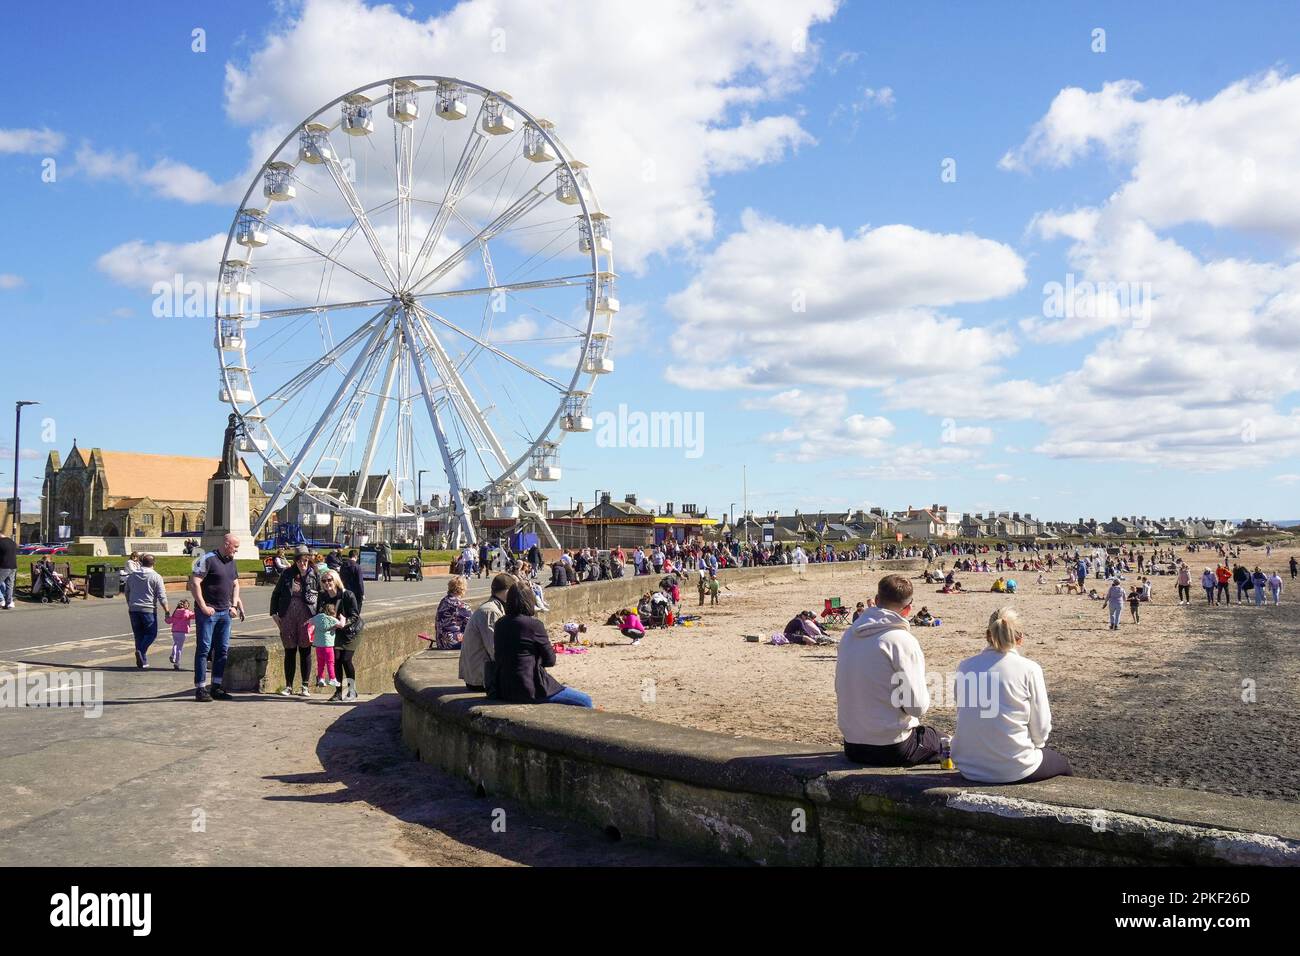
(413, 570)
(658, 616)
(47, 585)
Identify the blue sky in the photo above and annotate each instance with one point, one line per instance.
(923, 369)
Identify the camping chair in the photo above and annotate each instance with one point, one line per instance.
(833, 610)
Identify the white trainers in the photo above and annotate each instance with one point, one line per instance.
(320, 681)
(286, 691)
(304, 691)
(333, 682)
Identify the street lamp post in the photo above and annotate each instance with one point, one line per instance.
(18, 427)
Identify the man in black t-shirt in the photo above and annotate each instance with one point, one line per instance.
(214, 583)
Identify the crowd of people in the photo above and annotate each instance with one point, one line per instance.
(505, 650)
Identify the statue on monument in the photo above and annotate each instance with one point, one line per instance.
(229, 467)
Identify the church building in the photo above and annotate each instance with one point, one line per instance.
(127, 494)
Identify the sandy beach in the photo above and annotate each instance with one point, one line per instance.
(1159, 702)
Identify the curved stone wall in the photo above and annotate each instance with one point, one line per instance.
(773, 802)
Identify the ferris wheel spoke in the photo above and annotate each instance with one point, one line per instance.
(309, 309)
(517, 363)
(403, 159)
(345, 434)
(556, 283)
(280, 494)
(312, 247)
(519, 208)
(444, 449)
(460, 177)
(470, 413)
(381, 410)
(349, 193)
(286, 392)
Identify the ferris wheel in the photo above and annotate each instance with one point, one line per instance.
(446, 298)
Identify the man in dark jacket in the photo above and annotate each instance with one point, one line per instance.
(350, 572)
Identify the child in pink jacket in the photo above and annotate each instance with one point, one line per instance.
(180, 620)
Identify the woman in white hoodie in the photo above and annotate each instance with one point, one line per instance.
(1003, 718)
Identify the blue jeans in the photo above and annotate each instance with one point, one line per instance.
(8, 577)
(144, 625)
(211, 632)
(1116, 610)
(1259, 597)
(570, 696)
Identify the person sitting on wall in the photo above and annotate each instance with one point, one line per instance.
(560, 575)
(478, 647)
(523, 652)
(1003, 718)
(880, 688)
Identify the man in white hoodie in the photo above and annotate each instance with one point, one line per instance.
(880, 684)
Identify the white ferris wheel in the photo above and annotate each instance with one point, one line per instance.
(448, 300)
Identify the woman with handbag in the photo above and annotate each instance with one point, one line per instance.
(339, 602)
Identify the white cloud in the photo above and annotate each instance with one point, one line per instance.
(649, 106)
(167, 178)
(856, 294)
(10, 281)
(139, 264)
(1201, 377)
(31, 142)
(883, 97)
(1228, 161)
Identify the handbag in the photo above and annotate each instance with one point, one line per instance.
(350, 632)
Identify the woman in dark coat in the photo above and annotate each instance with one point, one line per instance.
(337, 601)
(293, 604)
(523, 651)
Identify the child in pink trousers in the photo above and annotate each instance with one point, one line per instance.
(180, 620)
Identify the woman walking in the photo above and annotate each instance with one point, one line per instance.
(1115, 601)
(1208, 583)
(294, 603)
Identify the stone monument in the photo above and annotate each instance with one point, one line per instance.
(228, 499)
